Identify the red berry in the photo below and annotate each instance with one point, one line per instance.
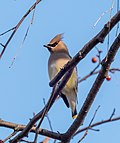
(108, 78)
(94, 59)
(1, 141)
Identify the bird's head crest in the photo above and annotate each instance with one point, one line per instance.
(57, 38)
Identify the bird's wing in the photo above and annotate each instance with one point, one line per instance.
(76, 81)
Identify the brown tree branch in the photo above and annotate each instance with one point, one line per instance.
(99, 38)
(10, 136)
(11, 29)
(85, 134)
(20, 127)
(18, 25)
(94, 90)
(97, 124)
(50, 134)
(49, 121)
(113, 70)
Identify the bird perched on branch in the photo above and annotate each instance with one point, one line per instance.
(59, 56)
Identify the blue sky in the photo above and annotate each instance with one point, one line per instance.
(26, 83)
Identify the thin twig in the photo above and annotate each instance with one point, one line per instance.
(10, 136)
(48, 116)
(108, 37)
(113, 113)
(7, 31)
(86, 132)
(18, 25)
(2, 45)
(99, 54)
(97, 124)
(31, 22)
(94, 115)
(19, 47)
(107, 11)
(112, 70)
(118, 22)
(22, 140)
(96, 130)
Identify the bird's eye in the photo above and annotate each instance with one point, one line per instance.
(53, 45)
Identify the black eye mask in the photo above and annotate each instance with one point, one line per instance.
(53, 45)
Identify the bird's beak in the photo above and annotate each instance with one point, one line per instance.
(48, 47)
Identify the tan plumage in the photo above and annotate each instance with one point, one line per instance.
(59, 56)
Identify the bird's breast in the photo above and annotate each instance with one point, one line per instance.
(55, 63)
(54, 66)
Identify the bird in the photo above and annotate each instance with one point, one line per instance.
(59, 56)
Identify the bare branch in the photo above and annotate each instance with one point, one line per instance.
(109, 10)
(112, 70)
(11, 135)
(20, 47)
(97, 124)
(86, 132)
(50, 134)
(118, 22)
(48, 117)
(2, 45)
(20, 127)
(26, 33)
(11, 29)
(113, 113)
(94, 115)
(87, 76)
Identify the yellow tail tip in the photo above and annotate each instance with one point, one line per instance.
(75, 116)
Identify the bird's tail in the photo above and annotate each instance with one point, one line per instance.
(74, 113)
(72, 99)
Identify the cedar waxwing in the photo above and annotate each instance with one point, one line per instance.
(59, 56)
